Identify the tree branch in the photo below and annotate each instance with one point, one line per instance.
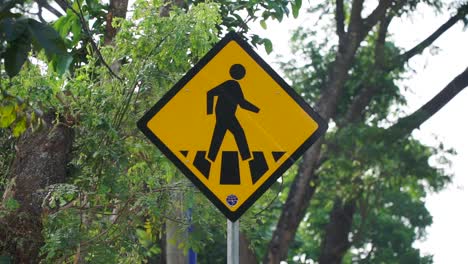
(405, 125)
(168, 5)
(48, 7)
(39, 14)
(363, 98)
(379, 51)
(117, 8)
(377, 14)
(339, 18)
(365, 95)
(336, 241)
(356, 19)
(461, 13)
(63, 4)
(85, 27)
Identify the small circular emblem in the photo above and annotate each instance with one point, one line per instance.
(232, 200)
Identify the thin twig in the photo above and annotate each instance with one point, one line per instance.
(121, 113)
(273, 200)
(93, 44)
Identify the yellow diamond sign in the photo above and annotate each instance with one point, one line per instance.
(232, 126)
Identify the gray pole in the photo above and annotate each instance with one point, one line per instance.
(232, 242)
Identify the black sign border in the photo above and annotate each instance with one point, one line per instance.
(142, 125)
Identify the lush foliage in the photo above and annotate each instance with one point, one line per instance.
(120, 188)
(19, 34)
(385, 181)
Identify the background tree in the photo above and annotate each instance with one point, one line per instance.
(340, 76)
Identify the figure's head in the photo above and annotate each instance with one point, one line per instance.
(237, 71)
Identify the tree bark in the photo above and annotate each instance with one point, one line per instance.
(168, 5)
(295, 207)
(336, 242)
(406, 125)
(117, 8)
(46, 5)
(41, 160)
(419, 48)
(246, 254)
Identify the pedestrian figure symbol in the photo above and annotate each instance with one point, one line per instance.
(230, 96)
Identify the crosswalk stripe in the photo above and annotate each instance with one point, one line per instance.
(277, 154)
(230, 168)
(258, 166)
(202, 164)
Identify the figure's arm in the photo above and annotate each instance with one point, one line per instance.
(210, 98)
(249, 106)
(246, 104)
(209, 102)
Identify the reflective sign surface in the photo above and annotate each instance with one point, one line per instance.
(232, 126)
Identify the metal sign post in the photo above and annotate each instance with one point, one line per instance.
(232, 242)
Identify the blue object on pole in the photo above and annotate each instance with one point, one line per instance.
(192, 255)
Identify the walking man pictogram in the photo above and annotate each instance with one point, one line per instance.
(230, 96)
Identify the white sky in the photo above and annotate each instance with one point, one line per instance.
(446, 238)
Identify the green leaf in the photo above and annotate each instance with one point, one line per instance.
(268, 45)
(13, 28)
(11, 204)
(6, 28)
(16, 54)
(279, 13)
(47, 38)
(93, 5)
(75, 5)
(61, 63)
(7, 114)
(62, 25)
(295, 7)
(20, 127)
(76, 30)
(263, 24)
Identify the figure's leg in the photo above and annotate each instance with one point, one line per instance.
(216, 140)
(240, 138)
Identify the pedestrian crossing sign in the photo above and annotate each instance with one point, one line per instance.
(232, 125)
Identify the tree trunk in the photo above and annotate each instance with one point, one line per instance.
(303, 187)
(117, 8)
(294, 209)
(174, 236)
(168, 4)
(336, 242)
(306, 181)
(304, 184)
(41, 160)
(174, 253)
(246, 254)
